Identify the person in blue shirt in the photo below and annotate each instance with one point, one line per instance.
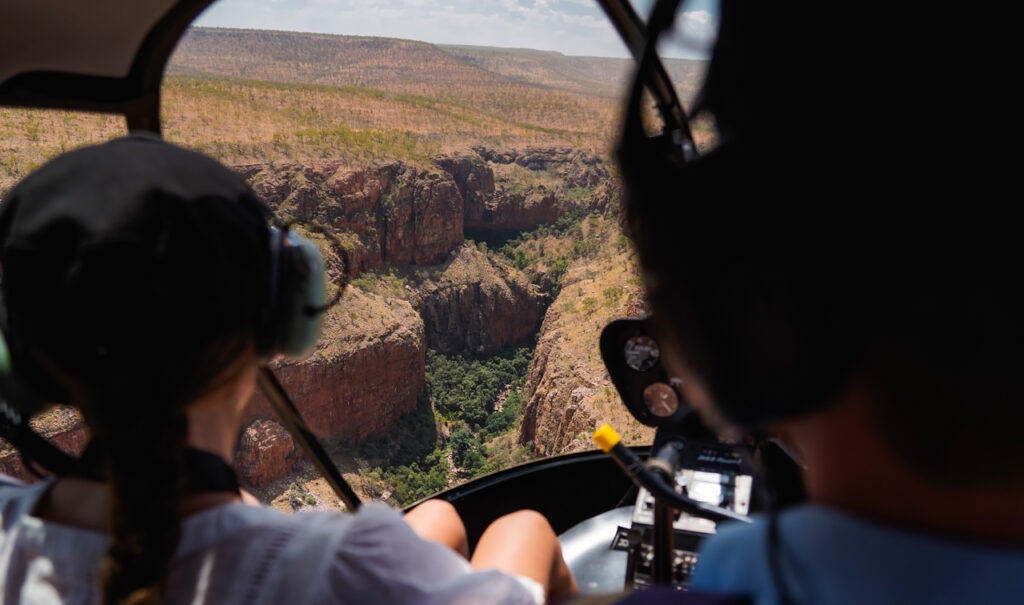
(834, 274)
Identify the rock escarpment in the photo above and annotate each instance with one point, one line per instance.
(577, 167)
(568, 393)
(559, 392)
(265, 452)
(400, 214)
(475, 304)
(551, 182)
(488, 208)
(367, 371)
(392, 214)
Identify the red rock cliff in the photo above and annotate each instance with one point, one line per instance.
(568, 392)
(393, 214)
(475, 304)
(534, 196)
(366, 372)
(265, 452)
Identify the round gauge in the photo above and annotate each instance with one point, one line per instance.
(661, 399)
(641, 353)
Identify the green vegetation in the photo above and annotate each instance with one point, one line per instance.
(387, 282)
(465, 390)
(528, 250)
(477, 400)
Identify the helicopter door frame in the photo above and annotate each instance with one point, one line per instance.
(136, 95)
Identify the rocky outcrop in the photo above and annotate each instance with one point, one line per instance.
(400, 214)
(513, 211)
(491, 209)
(568, 392)
(392, 214)
(579, 168)
(475, 304)
(559, 389)
(61, 425)
(367, 371)
(265, 452)
(473, 177)
(494, 205)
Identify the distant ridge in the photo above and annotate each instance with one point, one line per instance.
(404, 65)
(603, 76)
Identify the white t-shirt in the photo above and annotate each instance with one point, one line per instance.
(241, 554)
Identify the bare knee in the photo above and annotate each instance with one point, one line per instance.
(524, 543)
(526, 520)
(435, 508)
(438, 520)
(525, 516)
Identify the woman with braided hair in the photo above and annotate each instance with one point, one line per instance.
(135, 280)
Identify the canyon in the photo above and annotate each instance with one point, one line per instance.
(399, 213)
(474, 304)
(368, 369)
(568, 392)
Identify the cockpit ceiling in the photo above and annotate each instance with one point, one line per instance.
(94, 37)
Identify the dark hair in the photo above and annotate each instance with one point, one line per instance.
(140, 321)
(808, 253)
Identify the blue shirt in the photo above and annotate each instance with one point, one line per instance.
(829, 557)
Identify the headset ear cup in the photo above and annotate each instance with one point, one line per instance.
(303, 284)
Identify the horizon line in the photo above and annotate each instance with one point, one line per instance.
(624, 56)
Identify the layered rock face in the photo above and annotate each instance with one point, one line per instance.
(507, 211)
(478, 305)
(399, 214)
(578, 168)
(392, 214)
(491, 209)
(568, 392)
(265, 452)
(367, 371)
(559, 389)
(61, 426)
(490, 206)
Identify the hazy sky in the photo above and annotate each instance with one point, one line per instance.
(573, 27)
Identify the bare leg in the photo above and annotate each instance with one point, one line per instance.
(438, 521)
(523, 543)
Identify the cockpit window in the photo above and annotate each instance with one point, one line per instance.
(460, 157)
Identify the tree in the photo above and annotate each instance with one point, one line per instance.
(462, 441)
(473, 462)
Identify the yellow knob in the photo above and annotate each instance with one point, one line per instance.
(606, 438)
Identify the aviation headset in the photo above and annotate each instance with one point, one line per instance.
(291, 316)
(727, 331)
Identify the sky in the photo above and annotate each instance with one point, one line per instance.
(573, 27)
